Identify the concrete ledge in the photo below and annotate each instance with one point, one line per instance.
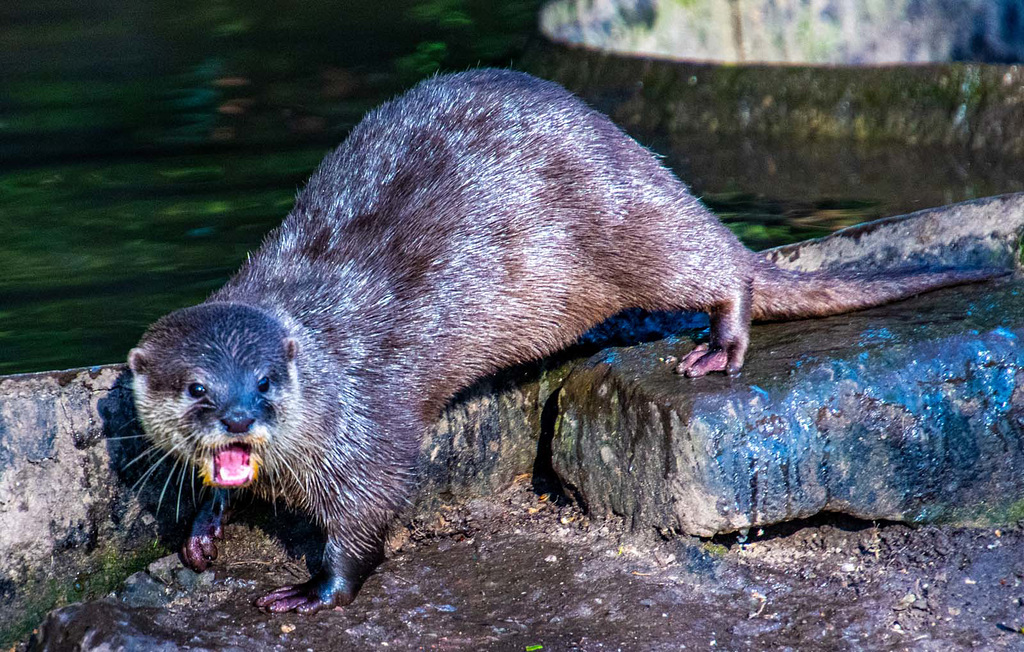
(70, 525)
(674, 103)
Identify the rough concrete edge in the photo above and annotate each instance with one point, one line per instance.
(610, 392)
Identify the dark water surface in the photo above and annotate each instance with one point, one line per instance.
(146, 147)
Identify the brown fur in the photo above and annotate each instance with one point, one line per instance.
(481, 220)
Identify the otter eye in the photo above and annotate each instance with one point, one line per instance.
(197, 390)
(263, 385)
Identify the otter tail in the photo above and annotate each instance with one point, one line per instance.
(781, 294)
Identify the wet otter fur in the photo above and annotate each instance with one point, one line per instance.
(481, 220)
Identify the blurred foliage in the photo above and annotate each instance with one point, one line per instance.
(468, 33)
(761, 222)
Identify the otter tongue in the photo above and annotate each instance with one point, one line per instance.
(231, 466)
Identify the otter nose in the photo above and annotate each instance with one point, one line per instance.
(237, 426)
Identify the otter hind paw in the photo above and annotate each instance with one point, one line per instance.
(702, 360)
(321, 592)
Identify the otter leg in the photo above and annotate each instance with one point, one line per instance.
(730, 335)
(207, 526)
(357, 514)
(336, 585)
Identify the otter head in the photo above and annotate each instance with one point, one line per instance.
(214, 384)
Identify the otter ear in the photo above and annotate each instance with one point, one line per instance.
(291, 348)
(138, 361)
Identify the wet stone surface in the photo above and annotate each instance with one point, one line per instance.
(519, 571)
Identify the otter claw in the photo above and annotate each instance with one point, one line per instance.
(321, 592)
(291, 598)
(704, 359)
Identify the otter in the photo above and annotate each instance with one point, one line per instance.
(480, 220)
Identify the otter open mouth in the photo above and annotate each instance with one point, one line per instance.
(232, 466)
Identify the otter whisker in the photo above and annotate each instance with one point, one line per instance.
(149, 471)
(153, 467)
(130, 422)
(273, 493)
(295, 477)
(192, 484)
(167, 482)
(149, 451)
(181, 483)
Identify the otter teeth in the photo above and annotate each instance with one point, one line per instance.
(231, 467)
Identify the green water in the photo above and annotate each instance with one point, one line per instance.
(146, 147)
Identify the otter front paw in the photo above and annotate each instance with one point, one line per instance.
(200, 550)
(324, 591)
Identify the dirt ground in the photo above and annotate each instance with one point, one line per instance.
(521, 572)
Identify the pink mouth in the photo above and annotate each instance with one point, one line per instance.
(231, 466)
